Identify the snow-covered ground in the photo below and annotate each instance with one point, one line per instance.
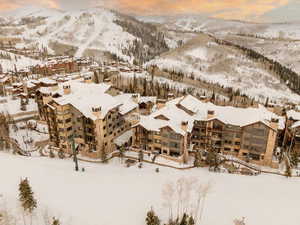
(26, 138)
(17, 62)
(111, 194)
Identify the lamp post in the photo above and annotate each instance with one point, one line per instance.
(74, 153)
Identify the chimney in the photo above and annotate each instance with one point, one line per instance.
(135, 98)
(170, 96)
(88, 79)
(274, 123)
(96, 111)
(47, 97)
(161, 103)
(184, 125)
(67, 89)
(210, 114)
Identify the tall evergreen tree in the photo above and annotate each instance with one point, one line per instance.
(26, 197)
(55, 221)
(184, 220)
(152, 219)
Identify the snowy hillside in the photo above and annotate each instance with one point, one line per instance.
(197, 23)
(286, 52)
(90, 32)
(203, 58)
(10, 61)
(112, 194)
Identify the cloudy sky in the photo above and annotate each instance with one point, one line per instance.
(252, 10)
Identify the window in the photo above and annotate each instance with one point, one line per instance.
(174, 145)
(254, 156)
(68, 120)
(237, 143)
(69, 128)
(227, 149)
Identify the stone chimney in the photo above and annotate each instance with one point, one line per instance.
(161, 103)
(210, 114)
(171, 96)
(96, 111)
(274, 123)
(135, 98)
(88, 79)
(184, 125)
(47, 97)
(67, 89)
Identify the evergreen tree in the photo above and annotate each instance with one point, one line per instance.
(55, 221)
(294, 158)
(26, 197)
(152, 219)
(267, 102)
(288, 171)
(197, 159)
(191, 221)
(141, 156)
(122, 153)
(184, 220)
(51, 154)
(103, 155)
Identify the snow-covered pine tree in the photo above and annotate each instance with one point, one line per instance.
(26, 197)
(191, 221)
(184, 219)
(55, 221)
(152, 218)
(197, 159)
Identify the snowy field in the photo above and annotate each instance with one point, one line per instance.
(114, 195)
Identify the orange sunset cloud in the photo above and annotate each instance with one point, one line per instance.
(233, 9)
(228, 9)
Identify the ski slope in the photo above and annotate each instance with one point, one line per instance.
(112, 194)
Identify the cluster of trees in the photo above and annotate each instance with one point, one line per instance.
(4, 131)
(185, 200)
(286, 75)
(5, 55)
(150, 41)
(153, 219)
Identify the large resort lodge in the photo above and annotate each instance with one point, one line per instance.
(96, 115)
(100, 118)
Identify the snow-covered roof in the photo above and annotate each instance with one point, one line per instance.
(172, 115)
(146, 99)
(296, 125)
(127, 103)
(292, 114)
(124, 138)
(47, 80)
(85, 96)
(231, 115)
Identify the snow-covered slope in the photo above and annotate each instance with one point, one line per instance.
(284, 51)
(227, 66)
(111, 194)
(31, 11)
(83, 31)
(196, 23)
(15, 61)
